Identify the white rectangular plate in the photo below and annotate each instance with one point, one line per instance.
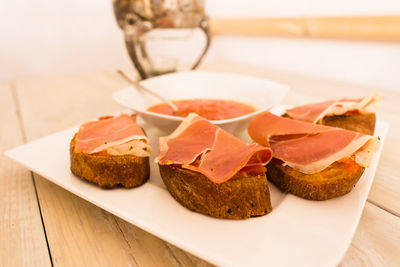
(298, 232)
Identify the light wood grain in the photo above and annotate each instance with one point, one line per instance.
(304, 89)
(76, 227)
(22, 237)
(367, 27)
(152, 251)
(377, 240)
(385, 189)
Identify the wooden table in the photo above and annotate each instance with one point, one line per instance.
(42, 224)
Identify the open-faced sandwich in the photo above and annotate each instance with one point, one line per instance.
(352, 114)
(208, 170)
(312, 161)
(111, 151)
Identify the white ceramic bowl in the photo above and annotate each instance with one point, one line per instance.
(260, 93)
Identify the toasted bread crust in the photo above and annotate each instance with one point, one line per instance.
(362, 123)
(110, 171)
(336, 180)
(241, 197)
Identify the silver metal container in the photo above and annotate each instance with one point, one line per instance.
(145, 20)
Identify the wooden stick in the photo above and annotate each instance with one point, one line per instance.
(368, 27)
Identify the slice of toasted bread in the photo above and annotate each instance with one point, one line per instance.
(336, 180)
(240, 197)
(110, 170)
(362, 123)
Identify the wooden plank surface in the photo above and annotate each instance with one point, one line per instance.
(79, 233)
(377, 240)
(22, 237)
(76, 227)
(386, 28)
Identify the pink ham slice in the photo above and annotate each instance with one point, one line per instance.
(317, 111)
(308, 147)
(185, 147)
(220, 154)
(96, 136)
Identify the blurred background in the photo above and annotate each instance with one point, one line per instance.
(44, 37)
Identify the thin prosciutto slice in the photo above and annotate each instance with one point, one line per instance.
(308, 147)
(107, 133)
(200, 146)
(317, 111)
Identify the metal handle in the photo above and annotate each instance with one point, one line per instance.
(204, 26)
(135, 27)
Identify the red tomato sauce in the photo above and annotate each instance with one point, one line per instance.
(210, 109)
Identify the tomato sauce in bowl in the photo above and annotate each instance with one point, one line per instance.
(211, 109)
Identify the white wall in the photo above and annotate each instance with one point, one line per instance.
(369, 63)
(372, 63)
(47, 36)
(50, 36)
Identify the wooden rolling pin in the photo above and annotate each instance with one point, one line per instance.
(385, 28)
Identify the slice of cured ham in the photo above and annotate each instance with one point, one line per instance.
(200, 146)
(317, 111)
(308, 147)
(117, 135)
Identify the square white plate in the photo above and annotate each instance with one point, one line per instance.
(298, 232)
